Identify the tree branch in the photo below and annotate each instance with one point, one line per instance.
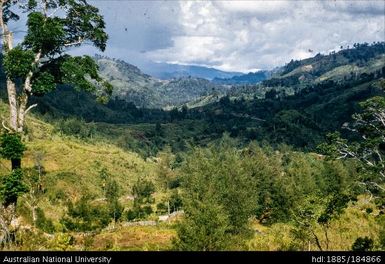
(30, 108)
(78, 42)
(5, 127)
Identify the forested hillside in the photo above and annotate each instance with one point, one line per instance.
(145, 91)
(186, 164)
(291, 111)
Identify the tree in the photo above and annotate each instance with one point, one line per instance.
(143, 189)
(34, 182)
(165, 174)
(206, 228)
(12, 148)
(369, 150)
(218, 199)
(11, 187)
(41, 62)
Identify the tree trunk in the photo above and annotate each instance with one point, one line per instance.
(11, 86)
(34, 215)
(317, 240)
(326, 236)
(23, 99)
(11, 90)
(16, 164)
(7, 214)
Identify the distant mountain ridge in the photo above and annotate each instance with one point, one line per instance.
(249, 78)
(145, 91)
(361, 58)
(167, 71)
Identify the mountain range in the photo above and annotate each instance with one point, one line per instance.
(249, 78)
(166, 71)
(145, 91)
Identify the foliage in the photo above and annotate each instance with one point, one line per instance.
(17, 63)
(77, 69)
(226, 187)
(143, 189)
(43, 83)
(115, 210)
(11, 187)
(11, 146)
(206, 228)
(363, 244)
(138, 212)
(175, 202)
(41, 60)
(83, 216)
(215, 183)
(45, 34)
(165, 172)
(76, 127)
(44, 223)
(112, 190)
(369, 149)
(62, 242)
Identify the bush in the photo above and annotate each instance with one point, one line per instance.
(83, 216)
(363, 244)
(143, 189)
(174, 183)
(43, 223)
(11, 187)
(115, 210)
(161, 208)
(147, 210)
(206, 228)
(175, 202)
(76, 127)
(138, 212)
(11, 146)
(131, 215)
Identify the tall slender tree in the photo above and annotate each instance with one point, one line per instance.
(40, 62)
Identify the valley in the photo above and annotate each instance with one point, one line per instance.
(199, 148)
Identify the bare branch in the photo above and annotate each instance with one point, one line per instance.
(78, 42)
(5, 127)
(30, 108)
(378, 186)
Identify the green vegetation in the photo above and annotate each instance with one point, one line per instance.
(258, 168)
(142, 90)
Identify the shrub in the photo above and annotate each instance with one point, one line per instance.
(175, 202)
(138, 212)
(11, 187)
(161, 208)
(83, 216)
(363, 244)
(143, 189)
(11, 146)
(43, 223)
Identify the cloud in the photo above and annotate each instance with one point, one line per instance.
(247, 35)
(363, 7)
(233, 35)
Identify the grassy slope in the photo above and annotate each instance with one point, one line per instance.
(71, 169)
(354, 222)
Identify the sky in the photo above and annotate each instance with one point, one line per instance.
(235, 35)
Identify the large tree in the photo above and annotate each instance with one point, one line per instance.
(369, 150)
(40, 62)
